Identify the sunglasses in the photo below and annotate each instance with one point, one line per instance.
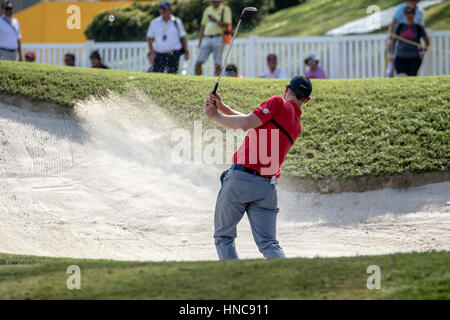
(409, 12)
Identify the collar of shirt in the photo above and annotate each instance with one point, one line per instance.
(298, 111)
(160, 19)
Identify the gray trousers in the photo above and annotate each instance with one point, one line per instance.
(8, 55)
(241, 192)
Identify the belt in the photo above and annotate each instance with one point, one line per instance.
(273, 180)
(216, 35)
(9, 50)
(245, 169)
(169, 52)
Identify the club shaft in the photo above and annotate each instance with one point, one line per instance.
(226, 57)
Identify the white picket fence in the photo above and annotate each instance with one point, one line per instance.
(348, 57)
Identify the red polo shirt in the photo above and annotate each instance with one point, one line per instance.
(265, 147)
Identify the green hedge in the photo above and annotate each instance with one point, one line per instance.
(351, 128)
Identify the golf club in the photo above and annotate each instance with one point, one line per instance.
(247, 9)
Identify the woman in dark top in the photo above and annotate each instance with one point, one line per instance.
(408, 57)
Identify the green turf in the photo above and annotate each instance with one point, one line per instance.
(351, 128)
(314, 18)
(403, 276)
(438, 17)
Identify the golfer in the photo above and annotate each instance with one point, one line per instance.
(252, 181)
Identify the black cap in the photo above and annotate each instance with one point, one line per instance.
(301, 86)
(95, 55)
(7, 4)
(164, 5)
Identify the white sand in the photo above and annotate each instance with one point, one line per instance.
(104, 187)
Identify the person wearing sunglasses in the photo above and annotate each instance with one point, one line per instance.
(407, 45)
(10, 46)
(399, 17)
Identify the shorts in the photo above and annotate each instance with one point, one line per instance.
(8, 55)
(210, 45)
(408, 66)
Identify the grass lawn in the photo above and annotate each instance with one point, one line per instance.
(403, 276)
(313, 18)
(438, 17)
(351, 128)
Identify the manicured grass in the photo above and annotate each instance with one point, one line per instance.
(403, 276)
(438, 17)
(314, 18)
(351, 128)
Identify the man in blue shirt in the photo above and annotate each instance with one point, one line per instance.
(399, 16)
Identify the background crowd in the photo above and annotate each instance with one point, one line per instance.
(166, 38)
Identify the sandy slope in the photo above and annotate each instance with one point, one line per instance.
(104, 187)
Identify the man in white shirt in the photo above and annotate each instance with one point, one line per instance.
(273, 72)
(166, 39)
(10, 47)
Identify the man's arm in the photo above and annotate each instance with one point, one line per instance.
(229, 118)
(186, 48)
(222, 107)
(152, 53)
(19, 49)
(243, 122)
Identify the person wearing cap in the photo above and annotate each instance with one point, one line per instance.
(400, 17)
(215, 19)
(166, 39)
(407, 47)
(10, 46)
(30, 56)
(315, 71)
(251, 184)
(273, 71)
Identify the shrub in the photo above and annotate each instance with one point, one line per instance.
(131, 23)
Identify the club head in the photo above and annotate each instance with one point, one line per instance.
(248, 9)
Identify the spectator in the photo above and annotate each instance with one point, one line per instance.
(166, 41)
(10, 46)
(30, 56)
(216, 18)
(273, 72)
(69, 60)
(408, 57)
(399, 17)
(96, 60)
(231, 70)
(314, 72)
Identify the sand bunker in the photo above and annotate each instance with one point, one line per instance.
(103, 186)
